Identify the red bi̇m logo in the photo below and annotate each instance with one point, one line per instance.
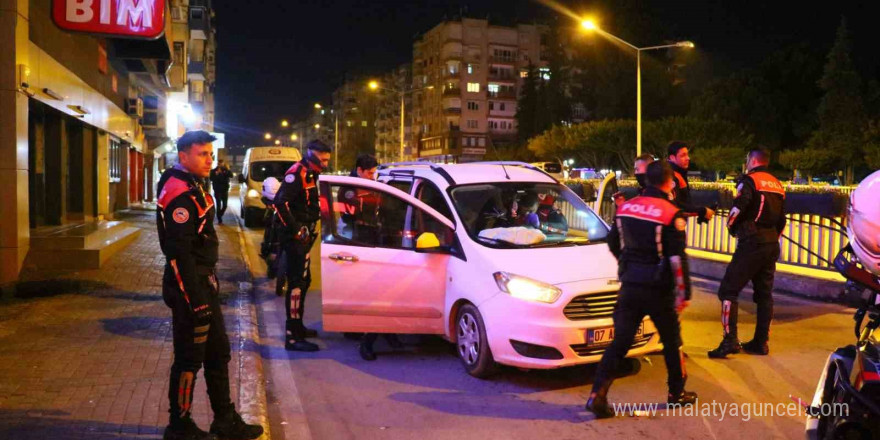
(143, 19)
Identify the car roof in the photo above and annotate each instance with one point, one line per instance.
(469, 173)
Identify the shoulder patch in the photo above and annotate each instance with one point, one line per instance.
(180, 215)
(680, 224)
(289, 178)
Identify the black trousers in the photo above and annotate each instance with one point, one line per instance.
(216, 349)
(633, 304)
(222, 196)
(299, 278)
(755, 262)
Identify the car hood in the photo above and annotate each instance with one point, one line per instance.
(556, 265)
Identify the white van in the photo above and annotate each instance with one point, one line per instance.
(498, 258)
(552, 168)
(260, 163)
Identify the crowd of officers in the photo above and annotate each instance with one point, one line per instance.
(648, 237)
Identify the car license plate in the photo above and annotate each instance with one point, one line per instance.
(599, 336)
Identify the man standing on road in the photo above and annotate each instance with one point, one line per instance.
(297, 205)
(639, 167)
(757, 220)
(184, 219)
(220, 178)
(680, 160)
(648, 239)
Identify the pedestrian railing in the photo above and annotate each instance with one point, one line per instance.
(806, 238)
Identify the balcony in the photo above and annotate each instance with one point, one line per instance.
(503, 95)
(452, 111)
(447, 75)
(502, 60)
(455, 91)
(198, 23)
(506, 77)
(452, 55)
(196, 71)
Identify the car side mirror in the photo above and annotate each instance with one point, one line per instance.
(427, 243)
(240, 178)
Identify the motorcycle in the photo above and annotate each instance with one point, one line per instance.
(846, 403)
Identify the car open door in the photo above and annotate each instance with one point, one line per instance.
(381, 271)
(604, 204)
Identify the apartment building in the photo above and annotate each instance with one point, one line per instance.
(467, 75)
(390, 147)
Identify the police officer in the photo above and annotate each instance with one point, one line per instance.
(639, 167)
(680, 160)
(648, 239)
(220, 178)
(298, 209)
(184, 219)
(757, 220)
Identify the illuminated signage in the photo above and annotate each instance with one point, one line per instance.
(143, 19)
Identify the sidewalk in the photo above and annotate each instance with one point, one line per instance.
(85, 355)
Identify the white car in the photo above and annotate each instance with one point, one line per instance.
(435, 249)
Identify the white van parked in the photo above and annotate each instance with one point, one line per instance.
(498, 258)
(260, 163)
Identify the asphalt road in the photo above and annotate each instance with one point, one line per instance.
(423, 393)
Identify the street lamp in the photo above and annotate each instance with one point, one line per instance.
(590, 26)
(374, 85)
(284, 123)
(267, 136)
(277, 142)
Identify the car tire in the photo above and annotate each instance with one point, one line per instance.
(472, 344)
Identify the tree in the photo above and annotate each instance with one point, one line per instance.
(598, 144)
(720, 159)
(872, 144)
(725, 139)
(527, 106)
(841, 112)
(807, 160)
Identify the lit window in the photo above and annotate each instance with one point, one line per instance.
(524, 74)
(493, 88)
(363, 123)
(322, 112)
(545, 73)
(348, 123)
(473, 87)
(470, 68)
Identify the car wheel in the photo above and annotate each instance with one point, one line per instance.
(472, 344)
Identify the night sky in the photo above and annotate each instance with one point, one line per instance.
(276, 59)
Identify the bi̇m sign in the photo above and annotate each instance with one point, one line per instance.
(144, 19)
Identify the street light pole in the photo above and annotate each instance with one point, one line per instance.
(402, 124)
(589, 25)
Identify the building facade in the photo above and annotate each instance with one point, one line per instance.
(394, 88)
(82, 119)
(356, 107)
(467, 75)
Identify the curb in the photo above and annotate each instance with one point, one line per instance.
(790, 284)
(252, 393)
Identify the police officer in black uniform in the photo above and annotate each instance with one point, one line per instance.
(639, 167)
(297, 206)
(220, 178)
(648, 239)
(757, 220)
(680, 160)
(185, 222)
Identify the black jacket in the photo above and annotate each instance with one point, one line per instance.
(297, 199)
(185, 222)
(634, 241)
(758, 211)
(220, 178)
(682, 193)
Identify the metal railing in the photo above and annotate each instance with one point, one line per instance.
(823, 236)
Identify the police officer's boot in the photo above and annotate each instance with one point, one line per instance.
(756, 347)
(730, 344)
(598, 403)
(230, 426)
(186, 429)
(294, 339)
(683, 398)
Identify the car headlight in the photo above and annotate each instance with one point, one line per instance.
(526, 288)
(253, 194)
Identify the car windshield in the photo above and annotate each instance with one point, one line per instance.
(523, 214)
(261, 170)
